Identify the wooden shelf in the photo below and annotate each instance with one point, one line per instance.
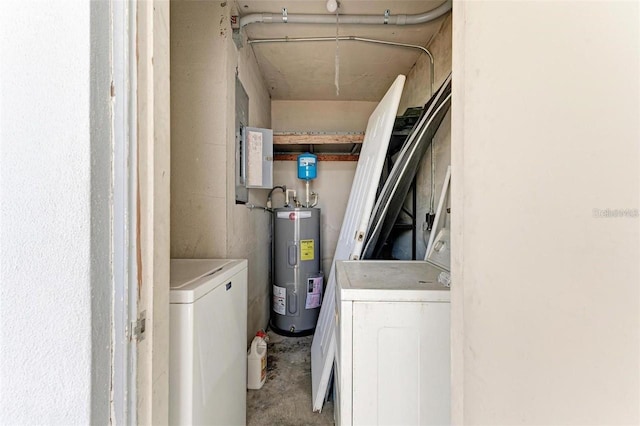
(337, 146)
(287, 138)
(321, 157)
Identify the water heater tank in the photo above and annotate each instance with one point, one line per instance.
(307, 166)
(298, 282)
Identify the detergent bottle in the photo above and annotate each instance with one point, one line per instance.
(257, 361)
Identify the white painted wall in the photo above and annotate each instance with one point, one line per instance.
(54, 218)
(326, 116)
(198, 131)
(248, 231)
(545, 129)
(101, 185)
(205, 221)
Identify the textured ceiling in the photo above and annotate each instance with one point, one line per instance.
(306, 70)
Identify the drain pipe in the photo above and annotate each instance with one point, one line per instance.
(354, 38)
(386, 19)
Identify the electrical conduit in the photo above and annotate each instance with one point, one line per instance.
(276, 18)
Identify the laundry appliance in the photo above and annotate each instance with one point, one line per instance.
(208, 342)
(392, 363)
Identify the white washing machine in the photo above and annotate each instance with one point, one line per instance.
(392, 364)
(208, 342)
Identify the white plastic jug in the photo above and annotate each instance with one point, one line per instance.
(257, 362)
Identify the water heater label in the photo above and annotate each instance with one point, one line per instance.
(314, 293)
(307, 250)
(279, 297)
(293, 215)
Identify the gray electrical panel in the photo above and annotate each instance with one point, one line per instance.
(298, 282)
(242, 120)
(254, 151)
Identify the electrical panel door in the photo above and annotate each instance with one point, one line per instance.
(257, 149)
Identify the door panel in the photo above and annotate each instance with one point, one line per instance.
(354, 227)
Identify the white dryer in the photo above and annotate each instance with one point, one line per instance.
(208, 342)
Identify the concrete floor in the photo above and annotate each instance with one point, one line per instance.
(285, 398)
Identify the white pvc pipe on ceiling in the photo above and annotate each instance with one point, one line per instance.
(282, 18)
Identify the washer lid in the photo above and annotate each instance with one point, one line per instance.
(191, 279)
(187, 271)
(390, 281)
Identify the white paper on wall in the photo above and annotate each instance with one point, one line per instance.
(254, 156)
